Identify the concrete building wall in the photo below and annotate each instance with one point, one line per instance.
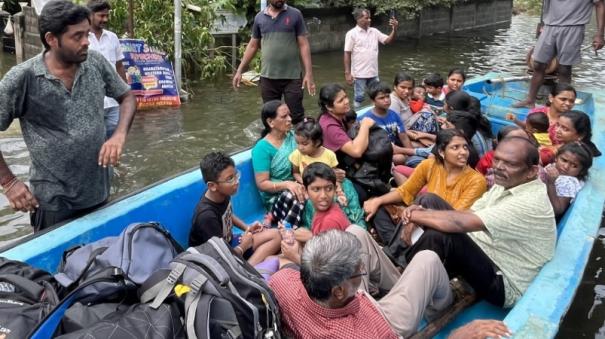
(27, 36)
(327, 27)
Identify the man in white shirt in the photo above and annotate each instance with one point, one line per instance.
(361, 52)
(108, 44)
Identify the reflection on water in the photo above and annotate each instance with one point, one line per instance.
(164, 142)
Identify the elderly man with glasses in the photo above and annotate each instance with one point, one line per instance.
(328, 298)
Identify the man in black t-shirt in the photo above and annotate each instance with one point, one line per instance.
(214, 213)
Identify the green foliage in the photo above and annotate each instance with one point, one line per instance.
(533, 7)
(154, 22)
(404, 8)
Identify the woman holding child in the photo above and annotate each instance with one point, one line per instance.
(334, 104)
(562, 99)
(281, 194)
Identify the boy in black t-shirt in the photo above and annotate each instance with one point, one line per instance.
(214, 214)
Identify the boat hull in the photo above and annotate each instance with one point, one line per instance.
(172, 202)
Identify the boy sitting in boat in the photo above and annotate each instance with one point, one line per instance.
(433, 83)
(389, 121)
(214, 213)
(319, 180)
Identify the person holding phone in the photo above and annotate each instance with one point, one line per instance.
(361, 52)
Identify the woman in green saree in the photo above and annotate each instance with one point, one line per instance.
(282, 196)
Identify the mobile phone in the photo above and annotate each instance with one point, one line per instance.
(392, 13)
(416, 234)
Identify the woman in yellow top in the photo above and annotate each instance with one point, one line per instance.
(446, 175)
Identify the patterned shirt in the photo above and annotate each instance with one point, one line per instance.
(303, 318)
(63, 130)
(567, 186)
(520, 233)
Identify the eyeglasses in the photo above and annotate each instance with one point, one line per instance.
(357, 275)
(362, 272)
(233, 180)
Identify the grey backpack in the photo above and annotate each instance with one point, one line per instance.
(140, 250)
(223, 299)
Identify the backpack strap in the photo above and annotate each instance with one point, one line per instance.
(213, 266)
(191, 304)
(32, 290)
(91, 259)
(205, 305)
(164, 287)
(168, 236)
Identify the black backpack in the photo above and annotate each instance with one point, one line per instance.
(109, 320)
(224, 297)
(139, 250)
(138, 321)
(27, 295)
(373, 170)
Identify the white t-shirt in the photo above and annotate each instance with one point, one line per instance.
(402, 108)
(567, 186)
(109, 46)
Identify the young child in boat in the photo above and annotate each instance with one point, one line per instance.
(417, 100)
(422, 127)
(565, 177)
(320, 183)
(389, 121)
(434, 91)
(400, 96)
(214, 215)
(537, 124)
(309, 137)
(350, 119)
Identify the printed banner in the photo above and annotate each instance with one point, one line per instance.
(150, 75)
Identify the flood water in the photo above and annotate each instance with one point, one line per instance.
(167, 141)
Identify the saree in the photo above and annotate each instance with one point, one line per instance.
(281, 168)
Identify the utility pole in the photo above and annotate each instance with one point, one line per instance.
(130, 21)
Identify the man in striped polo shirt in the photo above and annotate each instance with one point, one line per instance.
(281, 31)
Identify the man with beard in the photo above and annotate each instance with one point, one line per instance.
(500, 244)
(281, 31)
(58, 98)
(108, 44)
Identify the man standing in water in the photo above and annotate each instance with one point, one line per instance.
(281, 31)
(108, 44)
(562, 37)
(58, 98)
(361, 52)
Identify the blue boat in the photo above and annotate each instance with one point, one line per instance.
(537, 315)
